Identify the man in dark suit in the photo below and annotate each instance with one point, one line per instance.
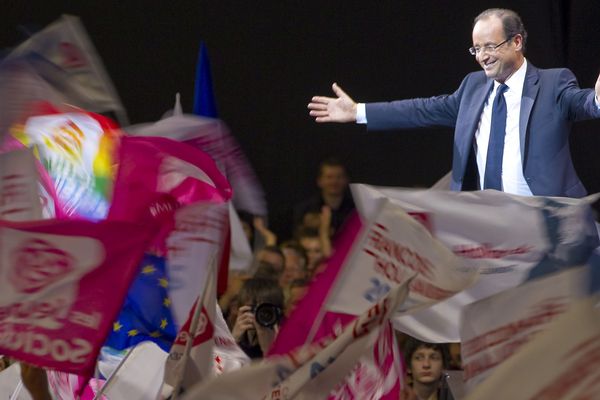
(512, 120)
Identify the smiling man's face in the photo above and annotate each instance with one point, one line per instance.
(504, 60)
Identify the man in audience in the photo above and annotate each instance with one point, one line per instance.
(426, 363)
(332, 181)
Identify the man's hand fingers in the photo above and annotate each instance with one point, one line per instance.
(321, 99)
(318, 113)
(323, 119)
(338, 91)
(317, 106)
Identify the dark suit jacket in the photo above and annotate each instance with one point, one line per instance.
(551, 101)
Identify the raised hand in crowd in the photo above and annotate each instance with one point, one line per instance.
(35, 381)
(333, 109)
(268, 235)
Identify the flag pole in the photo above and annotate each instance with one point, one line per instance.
(193, 329)
(112, 376)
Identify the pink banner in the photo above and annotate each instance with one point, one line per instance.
(62, 284)
(158, 175)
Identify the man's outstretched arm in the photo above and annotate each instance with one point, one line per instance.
(333, 109)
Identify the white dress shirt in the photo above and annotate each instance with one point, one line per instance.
(513, 180)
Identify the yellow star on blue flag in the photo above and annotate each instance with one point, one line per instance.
(146, 314)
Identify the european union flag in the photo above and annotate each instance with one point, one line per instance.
(146, 313)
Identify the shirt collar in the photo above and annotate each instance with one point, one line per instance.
(517, 80)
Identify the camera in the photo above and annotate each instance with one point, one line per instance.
(267, 314)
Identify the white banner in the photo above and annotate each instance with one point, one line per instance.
(496, 327)
(61, 63)
(392, 248)
(20, 198)
(507, 238)
(562, 363)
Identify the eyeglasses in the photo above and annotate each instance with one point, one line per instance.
(490, 48)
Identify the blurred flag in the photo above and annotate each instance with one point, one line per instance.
(204, 100)
(368, 262)
(191, 356)
(562, 362)
(146, 314)
(20, 197)
(61, 65)
(507, 238)
(77, 150)
(213, 137)
(309, 371)
(54, 280)
(494, 328)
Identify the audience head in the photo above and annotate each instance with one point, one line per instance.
(426, 361)
(295, 263)
(297, 290)
(310, 241)
(271, 255)
(332, 178)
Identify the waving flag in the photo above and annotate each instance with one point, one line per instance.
(146, 314)
(368, 262)
(173, 185)
(204, 100)
(561, 363)
(494, 328)
(58, 64)
(507, 238)
(20, 198)
(310, 371)
(54, 281)
(77, 149)
(213, 137)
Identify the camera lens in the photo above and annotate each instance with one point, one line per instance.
(267, 314)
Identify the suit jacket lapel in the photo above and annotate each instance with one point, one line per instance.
(530, 91)
(475, 106)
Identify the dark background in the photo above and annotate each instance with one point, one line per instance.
(269, 57)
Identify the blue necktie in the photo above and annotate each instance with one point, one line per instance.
(495, 151)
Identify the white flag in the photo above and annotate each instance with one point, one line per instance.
(20, 197)
(496, 327)
(391, 248)
(507, 238)
(58, 64)
(562, 363)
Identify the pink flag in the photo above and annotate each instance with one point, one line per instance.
(158, 175)
(62, 284)
(376, 374)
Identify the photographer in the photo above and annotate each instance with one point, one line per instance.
(259, 316)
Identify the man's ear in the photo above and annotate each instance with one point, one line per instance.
(518, 39)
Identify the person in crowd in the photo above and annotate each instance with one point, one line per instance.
(317, 246)
(512, 120)
(295, 264)
(425, 364)
(332, 181)
(259, 316)
(271, 255)
(297, 290)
